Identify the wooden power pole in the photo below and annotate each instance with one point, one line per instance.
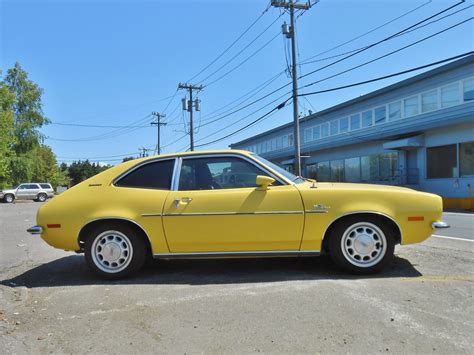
(189, 106)
(158, 124)
(290, 33)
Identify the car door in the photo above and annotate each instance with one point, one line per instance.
(217, 207)
(33, 191)
(23, 191)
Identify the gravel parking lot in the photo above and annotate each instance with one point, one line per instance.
(50, 302)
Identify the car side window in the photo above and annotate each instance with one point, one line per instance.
(33, 187)
(45, 186)
(218, 173)
(155, 175)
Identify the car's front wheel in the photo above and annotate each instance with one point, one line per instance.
(115, 251)
(362, 245)
(8, 198)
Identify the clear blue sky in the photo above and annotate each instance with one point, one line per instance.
(112, 62)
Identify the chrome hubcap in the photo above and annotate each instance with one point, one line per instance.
(9, 198)
(112, 251)
(363, 244)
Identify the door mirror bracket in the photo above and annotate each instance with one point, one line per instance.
(263, 182)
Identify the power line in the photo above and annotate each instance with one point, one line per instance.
(306, 62)
(231, 45)
(239, 52)
(333, 63)
(390, 53)
(370, 31)
(381, 41)
(339, 88)
(91, 126)
(389, 75)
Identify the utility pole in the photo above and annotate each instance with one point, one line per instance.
(158, 124)
(188, 105)
(144, 152)
(290, 33)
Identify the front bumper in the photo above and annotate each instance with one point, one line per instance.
(439, 225)
(35, 230)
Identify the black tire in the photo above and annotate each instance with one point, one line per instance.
(135, 247)
(8, 198)
(41, 197)
(365, 237)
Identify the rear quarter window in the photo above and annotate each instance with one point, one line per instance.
(46, 186)
(155, 175)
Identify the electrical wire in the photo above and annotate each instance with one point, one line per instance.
(401, 34)
(370, 31)
(202, 82)
(389, 54)
(232, 44)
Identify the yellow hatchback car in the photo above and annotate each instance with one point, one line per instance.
(230, 204)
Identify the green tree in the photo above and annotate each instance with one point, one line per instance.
(7, 134)
(27, 110)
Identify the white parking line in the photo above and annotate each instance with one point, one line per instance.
(455, 238)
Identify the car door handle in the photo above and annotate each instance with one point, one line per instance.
(184, 200)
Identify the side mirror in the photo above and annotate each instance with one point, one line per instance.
(264, 181)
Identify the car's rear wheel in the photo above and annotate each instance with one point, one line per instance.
(115, 251)
(42, 197)
(8, 198)
(362, 245)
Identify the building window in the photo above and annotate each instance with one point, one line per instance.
(441, 162)
(388, 166)
(410, 106)
(308, 134)
(285, 141)
(466, 159)
(334, 127)
(311, 171)
(325, 129)
(380, 115)
(278, 143)
(316, 132)
(355, 122)
(395, 111)
(337, 170)
(429, 101)
(367, 119)
(352, 169)
(290, 139)
(468, 89)
(323, 172)
(344, 125)
(450, 95)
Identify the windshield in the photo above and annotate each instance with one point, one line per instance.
(279, 170)
(15, 187)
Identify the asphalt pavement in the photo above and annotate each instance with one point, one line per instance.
(51, 302)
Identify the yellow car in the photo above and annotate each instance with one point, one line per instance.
(230, 203)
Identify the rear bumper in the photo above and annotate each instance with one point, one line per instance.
(439, 225)
(35, 230)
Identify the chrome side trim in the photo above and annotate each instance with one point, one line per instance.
(111, 217)
(439, 225)
(316, 211)
(152, 214)
(35, 230)
(230, 213)
(237, 254)
(366, 212)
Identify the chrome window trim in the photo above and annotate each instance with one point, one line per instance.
(139, 165)
(366, 212)
(176, 174)
(238, 254)
(229, 213)
(260, 166)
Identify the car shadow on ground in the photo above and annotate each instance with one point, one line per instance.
(72, 271)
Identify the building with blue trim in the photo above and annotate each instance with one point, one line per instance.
(418, 133)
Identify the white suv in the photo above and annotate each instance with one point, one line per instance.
(28, 191)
